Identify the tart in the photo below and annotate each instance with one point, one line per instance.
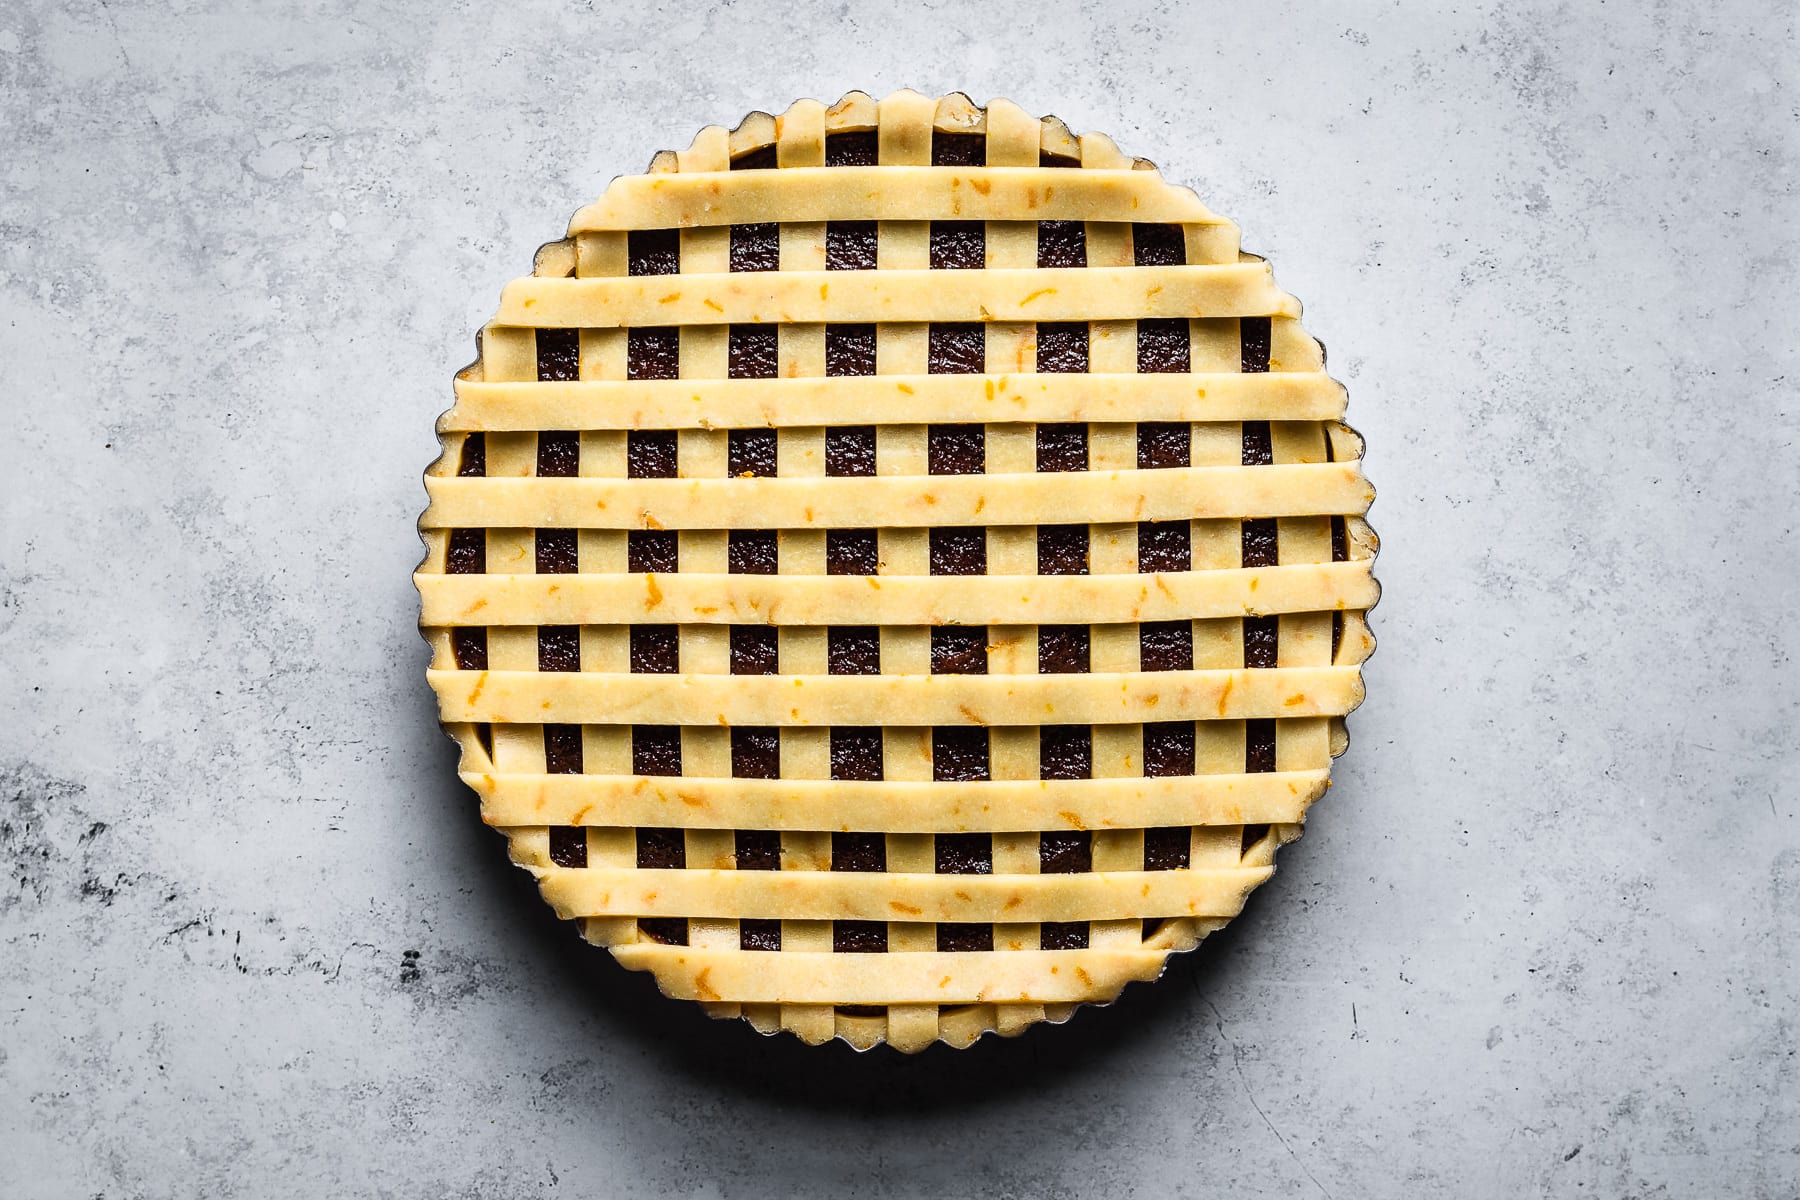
(897, 571)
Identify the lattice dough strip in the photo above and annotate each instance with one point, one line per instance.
(917, 192)
(815, 599)
(1296, 489)
(808, 398)
(898, 293)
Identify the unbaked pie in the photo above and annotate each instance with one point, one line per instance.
(897, 571)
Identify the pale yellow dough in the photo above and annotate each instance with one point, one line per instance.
(1299, 489)
(897, 806)
(801, 297)
(890, 194)
(709, 599)
(890, 400)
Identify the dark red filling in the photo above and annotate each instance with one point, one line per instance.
(750, 452)
(755, 753)
(558, 354)
(1165, 546)
(856, 753)
(1166, 646)
(959, 650)
(559, 454)
(1062, 649)
(474, 456)
(1258, 449)
(1065, 853)
(1252, 835)
(567, 842)
(467, 552)
(1065, 752)
(760, 159)
(956, 348)
(1158, 245)
(562, 749)
(850, 450)
(854, 149)
(754, 649)
(655, 649)
(652, 550)
(559, 647)
(958, 245)
(1046, 159)
(1062, 244)
(958, 551)
(469, 646)
(759, 935)
(1259, 542)
(859, 937)
(568, 846)
(964, 854)
(753, 352)
(653, 252)
(851, 552)
(758, 850)
(1062, 348)
(850, 246)
(1063, 935)
(953, 938)
(853, 650)
(1262, 641)
(1162, 345)
(670, 931)
(752, 552)
(1167, 849)
(651, 454)
(1169, 748)
(656, 750)
(557, 552)
(653, 353)
(661, 849)
(1062, 550)
(756, 247)
(850, 350)
(1163, 444)
(959, 755)
(858, 852)
(958, 149)
(1253, 336)
(1259, 745)
(956, 450)
(1062, 448)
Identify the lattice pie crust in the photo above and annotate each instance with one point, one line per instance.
(897, 571)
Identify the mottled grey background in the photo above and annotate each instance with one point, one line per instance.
(1538, 940)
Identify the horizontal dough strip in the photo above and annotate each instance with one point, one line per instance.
(708, 599)
(896, 896)
(816, 977)
(594, 697)
(689, 199)
(785, 297)
(898, 501)
(891, 400)
(880, 806)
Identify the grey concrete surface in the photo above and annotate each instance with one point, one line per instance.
(1538, 940)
